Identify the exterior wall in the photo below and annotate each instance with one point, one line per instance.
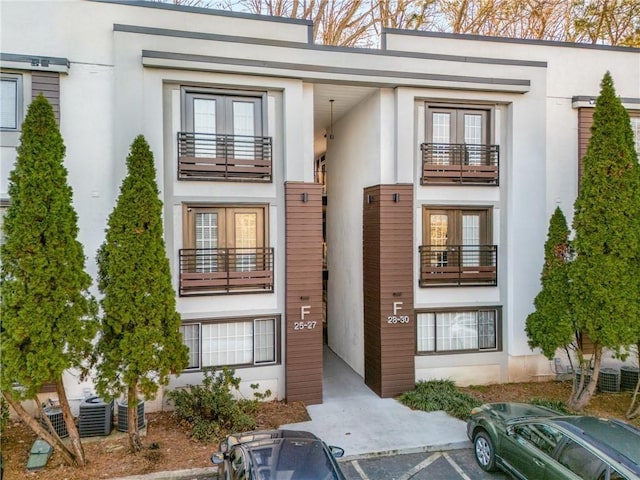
(353, 162)
(127, 81)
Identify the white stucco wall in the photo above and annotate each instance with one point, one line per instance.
(353, 163)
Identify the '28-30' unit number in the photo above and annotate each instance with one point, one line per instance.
(393, 319)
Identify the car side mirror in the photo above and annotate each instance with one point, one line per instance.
(217, 458)
(510, 431)
(337, 452)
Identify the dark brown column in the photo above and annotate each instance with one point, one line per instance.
(389, 319)
(304, 292)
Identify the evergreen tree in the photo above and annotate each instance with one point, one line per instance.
(48, 317)
(605, 276)
(552, 325)
(141, 342)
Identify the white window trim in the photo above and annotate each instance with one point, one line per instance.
(19, 106)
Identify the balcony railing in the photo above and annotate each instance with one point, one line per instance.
(205, 156)
(458, 265)
(451, 163)
(209, 271)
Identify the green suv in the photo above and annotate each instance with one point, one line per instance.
(537, 443)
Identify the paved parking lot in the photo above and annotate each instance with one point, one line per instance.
(447, 465)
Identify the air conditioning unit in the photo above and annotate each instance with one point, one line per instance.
(578, 376)
(628, 377)
(609, 380)
(95, 418)
(123, 421)
(54, 413)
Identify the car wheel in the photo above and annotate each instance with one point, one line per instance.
(484, 452)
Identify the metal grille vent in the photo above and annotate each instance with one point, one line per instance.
(609, 380)
(628, 377)
(587, 378)
(123, 421)
(57, 420)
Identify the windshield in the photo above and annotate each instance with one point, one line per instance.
(293, 459)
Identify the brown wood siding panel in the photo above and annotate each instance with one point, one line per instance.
(388, 278)
(303, 288)
(585, 121)
(47, 83)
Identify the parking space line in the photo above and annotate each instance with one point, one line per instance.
(422, 465)
(358, 468)
(456, 467)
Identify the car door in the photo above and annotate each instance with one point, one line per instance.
(527, 449)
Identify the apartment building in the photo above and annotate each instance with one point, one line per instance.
(391, 204)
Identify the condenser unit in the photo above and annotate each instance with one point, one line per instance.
(96, 417)
(123, 421)
(628, 377)
(609, 380)
(54, 414)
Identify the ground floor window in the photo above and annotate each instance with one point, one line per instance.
(232, 342)
(458, 330)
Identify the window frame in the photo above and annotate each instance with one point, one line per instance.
(454, 223)
(226, 212)
(497, 327)
(224, 107)
(19, 103)
(277, 324)
(634, 117)
(456, 123)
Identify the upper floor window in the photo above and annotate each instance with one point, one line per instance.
(225, 250)
(635, 126)
(222, 138)
(453, 331)
(10, 102)
(457, 247)
(457, 147)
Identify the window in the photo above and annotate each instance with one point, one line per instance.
(231, 343)
(225, 250)
(458, 126)
(451, 331)
(635, 126)
(10, 102)
(581, 461)
(457, 148)
(228, 237)
(457, 246)
(544, 437)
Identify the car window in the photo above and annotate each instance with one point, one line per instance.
(238, 465)
(544, 437)
(581, 461)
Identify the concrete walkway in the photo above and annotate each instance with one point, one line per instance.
(356, 419)
(365, 425)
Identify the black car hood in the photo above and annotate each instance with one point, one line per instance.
(513, 411)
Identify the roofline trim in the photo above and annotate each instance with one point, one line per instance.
(311, 46)
(43, 63)
(148, 57)
(524, 41)
(208, 11)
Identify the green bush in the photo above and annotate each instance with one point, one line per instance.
(440, 395)
(4, 413)
(211, 408)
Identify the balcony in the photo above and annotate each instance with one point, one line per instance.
(212, 271)
(203, 156)
(458, 265)
(459, 164)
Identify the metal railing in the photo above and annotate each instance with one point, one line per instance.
(206, 156)
(208, 271)
(458, 265)
(460, 163)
